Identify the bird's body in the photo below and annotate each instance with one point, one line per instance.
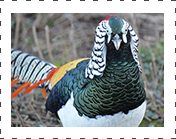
(106, 89)
(71, 118)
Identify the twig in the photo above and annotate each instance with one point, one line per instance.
(75, 55)
(160, 81)
(36, 41)
(143, 72)
(24, 32)
(17, 122)
(35, 112)
(38, 21)
(147, 118)
(17, 114)
(48, 44)
(18, 21)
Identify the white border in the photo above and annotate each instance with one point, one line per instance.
(89, 6)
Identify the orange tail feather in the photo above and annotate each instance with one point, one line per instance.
(14, 81)
(34, 86)
(50, 74)
(14, 94)
(43, 91)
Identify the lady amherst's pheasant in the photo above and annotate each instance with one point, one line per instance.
(103, 90)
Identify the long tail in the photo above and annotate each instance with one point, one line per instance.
(31, 71)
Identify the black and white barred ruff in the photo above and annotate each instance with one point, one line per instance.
(97, 63)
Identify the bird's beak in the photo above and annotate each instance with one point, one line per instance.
(117, 41)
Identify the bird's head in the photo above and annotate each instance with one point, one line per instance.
(116, 30)
(111, 30)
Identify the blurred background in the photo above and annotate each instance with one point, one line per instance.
(63, 37)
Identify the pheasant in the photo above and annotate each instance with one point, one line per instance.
(103, 90)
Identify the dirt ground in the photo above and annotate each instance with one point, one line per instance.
(63, 37)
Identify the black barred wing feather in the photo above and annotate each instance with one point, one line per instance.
(29, 68)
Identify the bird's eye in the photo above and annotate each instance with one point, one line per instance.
(126, 30)
(108, 30)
